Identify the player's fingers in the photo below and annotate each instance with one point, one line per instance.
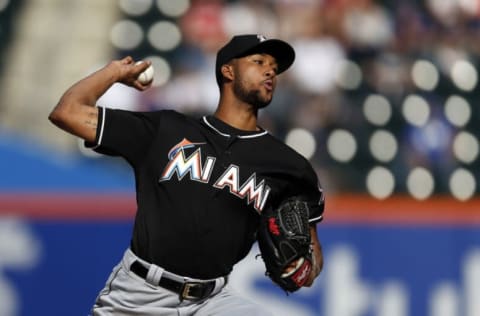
(127, 60)
(142, 65)
(142, 87)
(292, 267)
(313, 274)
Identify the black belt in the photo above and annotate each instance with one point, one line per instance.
(189, 290)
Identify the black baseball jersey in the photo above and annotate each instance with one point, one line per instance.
(201, 185)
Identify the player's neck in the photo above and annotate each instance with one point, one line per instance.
(239, 115)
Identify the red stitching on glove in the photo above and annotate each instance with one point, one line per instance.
(273, 227)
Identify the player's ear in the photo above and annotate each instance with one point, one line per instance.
(227, 71)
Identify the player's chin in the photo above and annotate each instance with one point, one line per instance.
(263, 101)
(261, 105)
(268, 94)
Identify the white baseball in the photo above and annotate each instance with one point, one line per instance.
(147, 75)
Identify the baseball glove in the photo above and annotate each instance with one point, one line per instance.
(284, 239)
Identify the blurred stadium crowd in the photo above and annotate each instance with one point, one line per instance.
(382, 97)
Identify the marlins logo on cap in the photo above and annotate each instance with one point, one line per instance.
(261, 38)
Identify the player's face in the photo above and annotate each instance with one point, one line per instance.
(255, 79)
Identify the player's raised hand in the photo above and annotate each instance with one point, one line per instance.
(128, 71)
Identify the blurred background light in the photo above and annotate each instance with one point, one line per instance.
(250, 22)
(377, 109)
(420, 183)
(471, 7)
(173, 8)
(164, 35)
(369, 30)
(457, 110)
(302, 141)
(341, 145)
(464, 75)
(126, 34)
(462, 184)
(448, 300)
(394, 300)
(383, 145)
(4, 4)
(431, 139)
(416, 110)
(425, 75)
(162, 70)
(465, 147)
(380, 182)
(443, 9)
(315, 66)
(135, 7)
(348, 75)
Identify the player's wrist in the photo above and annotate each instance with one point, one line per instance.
(112, 72)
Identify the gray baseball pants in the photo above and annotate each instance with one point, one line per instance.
(125, 293)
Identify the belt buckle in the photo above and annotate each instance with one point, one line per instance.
(185, 292)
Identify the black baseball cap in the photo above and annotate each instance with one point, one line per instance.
(248, 44)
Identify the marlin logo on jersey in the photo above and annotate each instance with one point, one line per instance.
(200, 171)
(184, 144)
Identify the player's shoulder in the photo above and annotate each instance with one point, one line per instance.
(166, 113)
(165, 116)
(281, 149)
(175, 115)
(178, 118)
(147, 114)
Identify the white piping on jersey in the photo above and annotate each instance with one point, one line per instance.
(315, 219)
(228, 135)
(104, 112)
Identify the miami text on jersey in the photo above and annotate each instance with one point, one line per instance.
(198, 171)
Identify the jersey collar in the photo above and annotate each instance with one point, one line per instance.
(226, 130)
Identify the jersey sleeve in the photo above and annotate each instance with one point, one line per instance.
(124, 133)
(314, 196)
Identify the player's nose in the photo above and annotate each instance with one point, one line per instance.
(270, 72)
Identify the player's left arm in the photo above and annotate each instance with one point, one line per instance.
(309, 188)
(317, 256)
(316, 198)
